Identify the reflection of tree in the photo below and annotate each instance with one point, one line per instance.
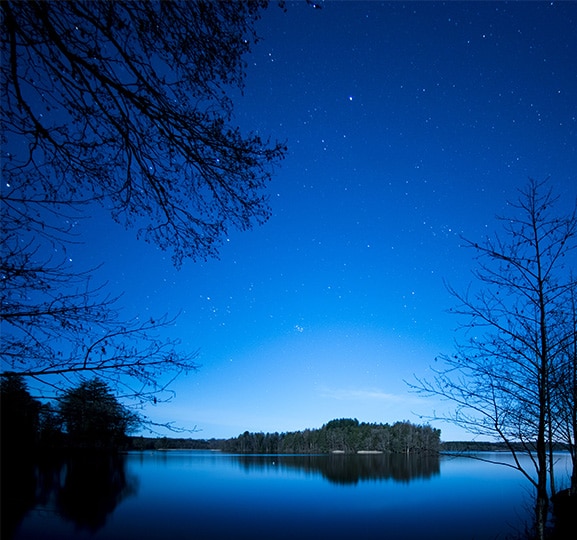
(352, 469)
(342, 469)
(87, 488)
(94, 486)
(18, 487)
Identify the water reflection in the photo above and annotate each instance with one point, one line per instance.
(94, 485)
(182, 495)
(18, 492)
(84, 489)
(350, 469)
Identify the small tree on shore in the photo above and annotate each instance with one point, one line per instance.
(92, 416)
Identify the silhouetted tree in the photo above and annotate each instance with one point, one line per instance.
(501, 376)
(49, 428)
(93, 418)
(19, 419)
(125, 104)
(563, 424)
(19, 413)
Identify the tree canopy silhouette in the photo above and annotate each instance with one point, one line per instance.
(19, 414)
(128, 105)
(93, 417)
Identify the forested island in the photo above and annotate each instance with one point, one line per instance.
(345, 435)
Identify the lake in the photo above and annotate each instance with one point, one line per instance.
(209, 495)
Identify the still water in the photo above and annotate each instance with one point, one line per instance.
(202, 495)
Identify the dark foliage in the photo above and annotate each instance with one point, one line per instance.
(342, 423)
(34, 446)
(19, 424)
(565, 515)
(20, 416)
(93, 418)
(173, 443)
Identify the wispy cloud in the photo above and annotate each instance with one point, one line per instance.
(371, 394)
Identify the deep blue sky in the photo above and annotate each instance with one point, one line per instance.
(408, 125)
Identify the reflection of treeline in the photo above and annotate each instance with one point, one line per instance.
(343, 435)
(83, 487)
(347, 469)
(63, 456)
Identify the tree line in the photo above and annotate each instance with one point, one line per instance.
(342, 435)
(89, 416)
(126, 106)
(141, 443)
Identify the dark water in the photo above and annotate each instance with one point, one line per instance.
(196, 495)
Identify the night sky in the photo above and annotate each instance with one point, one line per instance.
(409, 125)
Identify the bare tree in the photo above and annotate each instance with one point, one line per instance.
(127, 105)
(501, 375)
(564, 388)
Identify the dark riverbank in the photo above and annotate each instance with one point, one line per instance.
(182, 443)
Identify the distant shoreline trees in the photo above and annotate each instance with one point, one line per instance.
(344, 435)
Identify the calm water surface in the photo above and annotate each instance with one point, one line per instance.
(200, 495)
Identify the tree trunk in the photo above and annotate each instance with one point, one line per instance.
(541, 511)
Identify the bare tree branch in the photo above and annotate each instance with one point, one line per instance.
(504, 377)
(127, 105)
